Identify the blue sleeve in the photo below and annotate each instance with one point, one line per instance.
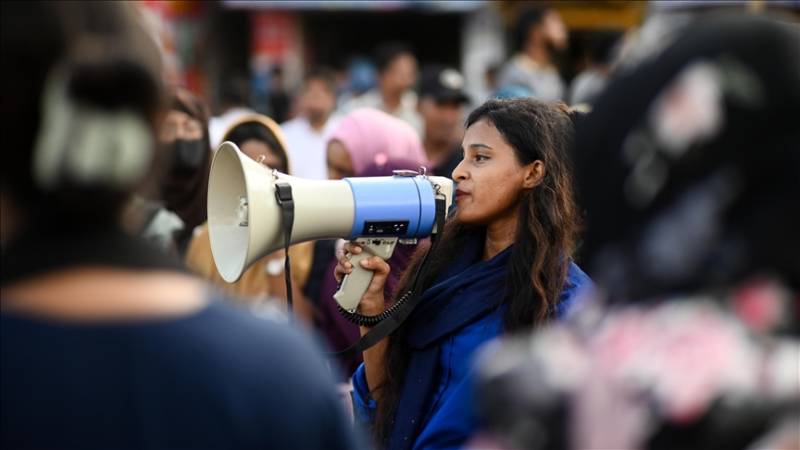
(363, 404)
(576, 285)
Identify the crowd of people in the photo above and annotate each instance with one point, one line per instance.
(619, 269)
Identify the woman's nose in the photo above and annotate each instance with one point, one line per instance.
(459, 174)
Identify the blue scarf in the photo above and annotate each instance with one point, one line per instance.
(467, 291)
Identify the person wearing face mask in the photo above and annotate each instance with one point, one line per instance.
(503, 264)
(262, 287)
(185, 140)
(539, 35)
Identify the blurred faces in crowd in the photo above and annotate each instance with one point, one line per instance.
(318, 97)
(397, 73)
(441, 106)
(307, 134)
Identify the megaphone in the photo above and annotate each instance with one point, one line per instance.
(245, 219)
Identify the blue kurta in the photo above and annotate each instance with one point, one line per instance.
(449, 419)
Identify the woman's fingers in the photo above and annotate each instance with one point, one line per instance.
(344, 266)
(376, 264)
(380, 270)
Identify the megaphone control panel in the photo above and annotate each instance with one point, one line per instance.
(385, 228)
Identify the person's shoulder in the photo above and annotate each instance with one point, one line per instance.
(236, 325)
(286, 380)
(332, 123)
(250, 351)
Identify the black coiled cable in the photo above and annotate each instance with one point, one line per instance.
(370, 321)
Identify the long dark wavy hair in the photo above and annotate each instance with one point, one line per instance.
(543, 245)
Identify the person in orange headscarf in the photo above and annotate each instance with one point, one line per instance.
(261, 139)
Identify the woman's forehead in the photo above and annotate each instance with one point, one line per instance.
(483, 134)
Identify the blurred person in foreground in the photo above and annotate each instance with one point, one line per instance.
(262, 286)
(397, 75)
(503, 265)
(441, 106)
(104, 342)
(689, 171)
(538, 36)
(365, 143)
(307, 134)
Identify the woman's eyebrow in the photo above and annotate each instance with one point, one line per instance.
(479, 145)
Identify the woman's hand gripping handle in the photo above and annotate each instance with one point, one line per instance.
(362, 271)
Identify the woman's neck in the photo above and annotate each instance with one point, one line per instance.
(499, 236)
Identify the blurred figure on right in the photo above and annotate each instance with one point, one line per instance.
(689, 172)
(441, 106)
(539, 35)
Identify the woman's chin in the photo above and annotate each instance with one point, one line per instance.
(466, 218)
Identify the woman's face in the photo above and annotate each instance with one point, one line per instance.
(339, 163)
(490, 178)
(258, 150)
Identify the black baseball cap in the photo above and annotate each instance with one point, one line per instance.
(444, 84)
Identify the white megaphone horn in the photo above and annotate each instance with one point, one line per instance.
(245, 221)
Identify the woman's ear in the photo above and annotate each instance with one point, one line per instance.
(534, 174)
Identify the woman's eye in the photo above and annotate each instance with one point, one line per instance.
(481, 158)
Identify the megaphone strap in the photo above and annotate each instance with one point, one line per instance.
(283, 194)
(390, 320)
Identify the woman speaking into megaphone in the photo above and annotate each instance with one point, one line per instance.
(502, 265)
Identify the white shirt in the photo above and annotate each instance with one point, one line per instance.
(406, 110)
(307, 147)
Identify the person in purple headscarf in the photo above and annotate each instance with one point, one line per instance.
(365, 143)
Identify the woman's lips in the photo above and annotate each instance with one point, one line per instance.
(461, 194)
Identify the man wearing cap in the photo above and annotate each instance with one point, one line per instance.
(441, 101)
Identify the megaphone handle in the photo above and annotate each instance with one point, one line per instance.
(356, 283)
